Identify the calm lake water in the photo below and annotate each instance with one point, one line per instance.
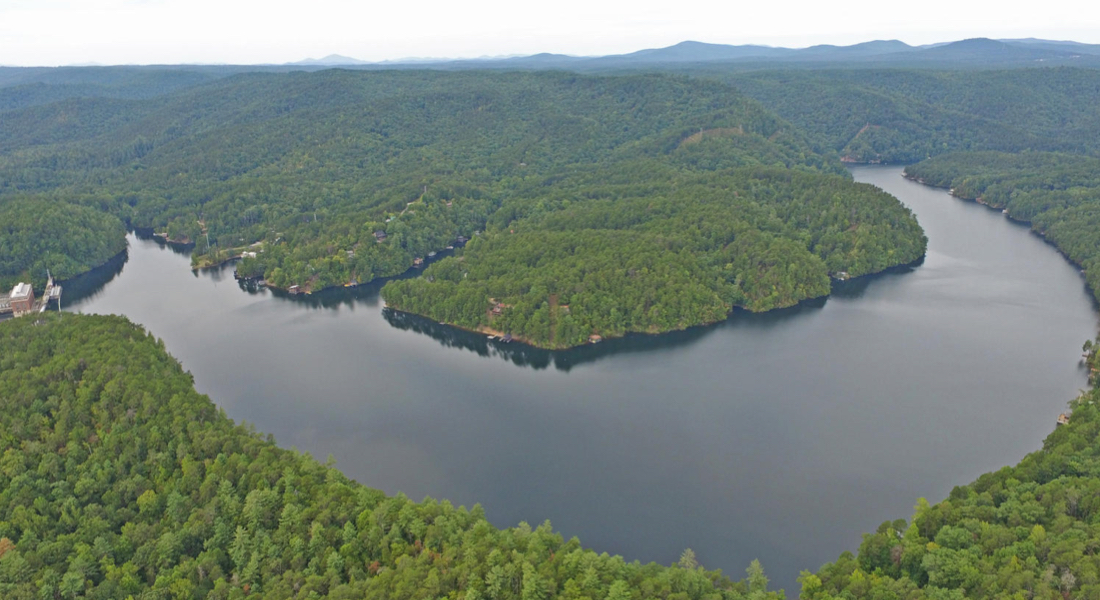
(782, 436)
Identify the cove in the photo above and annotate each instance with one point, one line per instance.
(781, 436)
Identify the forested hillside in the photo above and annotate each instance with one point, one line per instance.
(644, 248)
(1059, 194)
(65, 238)
(341, 177)
(321, 161)
(119, 480)
(908, 115)
(24, 87)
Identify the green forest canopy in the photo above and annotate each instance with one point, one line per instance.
(1059, 194)
(64, 238)
(908, 115)
(320, 161)
(118, 480)
(645, 248)
(315, 163)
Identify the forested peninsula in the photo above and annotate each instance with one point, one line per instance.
(60, 238)
(646, 249)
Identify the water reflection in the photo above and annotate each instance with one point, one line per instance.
(176, 247)
(519, 354)
(523, 355)
(90, 285)
(856, 288)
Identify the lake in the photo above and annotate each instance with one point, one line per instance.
(781, 436)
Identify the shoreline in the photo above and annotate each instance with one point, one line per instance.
(484, 330)
(304, 289)
(1016, 221)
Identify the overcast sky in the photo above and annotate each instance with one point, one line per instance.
(58, 32)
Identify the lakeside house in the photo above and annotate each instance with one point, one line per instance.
(1063, 419)
(418, 262)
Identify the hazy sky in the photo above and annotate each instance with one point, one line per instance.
(53, 32)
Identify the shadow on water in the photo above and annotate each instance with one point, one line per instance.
(91, 284)
(524, 355)
(176, 247)
(366, 294)
(537, 358)
(855, 288)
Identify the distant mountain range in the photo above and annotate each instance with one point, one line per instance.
(977, 51)
(332, 60)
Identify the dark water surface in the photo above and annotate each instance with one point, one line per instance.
(781, 436)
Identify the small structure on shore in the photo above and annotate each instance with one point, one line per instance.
(418, 262)
(22, 299)
(507, 338)
(1063, 419)
(294, 289)
(595, 338)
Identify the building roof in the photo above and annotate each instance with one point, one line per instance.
(20, 291)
